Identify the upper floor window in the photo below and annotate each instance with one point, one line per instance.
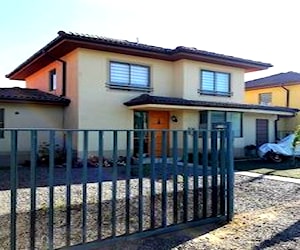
(129, 76)
(52, 80)
(1, 123)
(265, 98)
(215, 83)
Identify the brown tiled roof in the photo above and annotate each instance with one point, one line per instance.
(67, 42)
(274, 80)
(162, 100)
(17, 94)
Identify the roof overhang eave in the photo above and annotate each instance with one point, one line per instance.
(199, 108)
(62, 45)
(23, 101)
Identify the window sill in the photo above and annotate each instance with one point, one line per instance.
(215, 93)
(129, 88)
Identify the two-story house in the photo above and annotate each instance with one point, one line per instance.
(277, 90)
(117, 84)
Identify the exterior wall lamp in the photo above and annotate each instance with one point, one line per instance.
(174, 118)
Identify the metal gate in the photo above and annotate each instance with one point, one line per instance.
(86, 188)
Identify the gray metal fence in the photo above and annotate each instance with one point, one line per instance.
(99, 186)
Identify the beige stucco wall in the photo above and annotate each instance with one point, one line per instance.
(192, 76)
(28, 116)
(179, 79)
(100, 107)
(72, 91)
(250, 126)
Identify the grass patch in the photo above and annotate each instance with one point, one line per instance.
(285, 169)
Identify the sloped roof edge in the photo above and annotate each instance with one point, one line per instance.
(17, 94)
(276, 80)
(68, 41)
(148, 99)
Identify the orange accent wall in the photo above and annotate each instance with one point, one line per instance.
(40, 80)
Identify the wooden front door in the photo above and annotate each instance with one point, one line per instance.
(158, 120)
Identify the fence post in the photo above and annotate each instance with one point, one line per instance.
(13, 189)
(230, 173)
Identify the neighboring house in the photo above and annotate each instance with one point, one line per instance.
(116, 84)
(277, 90)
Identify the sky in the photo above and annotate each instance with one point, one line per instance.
(260, 30)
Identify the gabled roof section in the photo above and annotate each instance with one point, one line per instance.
(145, 99)
(66, 42)
(25, 95)
(281, 79)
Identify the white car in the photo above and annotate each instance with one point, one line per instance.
(277, 152)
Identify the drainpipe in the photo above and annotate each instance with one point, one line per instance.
(287, 96)
(276, 128)
(64, 72)
(63, 88)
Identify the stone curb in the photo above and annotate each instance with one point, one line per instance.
(270, 177)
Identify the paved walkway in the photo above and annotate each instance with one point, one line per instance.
(270, 177)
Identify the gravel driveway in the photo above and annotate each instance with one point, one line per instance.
(267, 217)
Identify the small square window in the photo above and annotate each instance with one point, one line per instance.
(265, 98)
(52, 80)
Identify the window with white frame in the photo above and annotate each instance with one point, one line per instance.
(210, 118)
(265, 98)
(52, 80)
(214, 83)
(1, 123)
(129, 76)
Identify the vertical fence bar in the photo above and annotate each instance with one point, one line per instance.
(13, 189)
(51, 189)
(214, 174)
(164, 179)
(68, 185)
(128, 176)
(230, 173)
(175, 173)
(205, 174)
(196, 174)
(222, 171)
(100, 169)
(141, 151)
(33, 159)
(185, 176)
(84, 184)
(114, 183)
(153, 176)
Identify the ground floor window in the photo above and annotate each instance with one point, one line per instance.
(140, 121)
(210, 118)
(1, 122)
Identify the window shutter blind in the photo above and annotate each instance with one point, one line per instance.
(139, 75)
(207, 81)
(119, 73)
(222, 82)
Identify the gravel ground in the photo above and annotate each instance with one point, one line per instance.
(267, 216)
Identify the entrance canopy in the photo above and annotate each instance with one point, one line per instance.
(149, 102)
